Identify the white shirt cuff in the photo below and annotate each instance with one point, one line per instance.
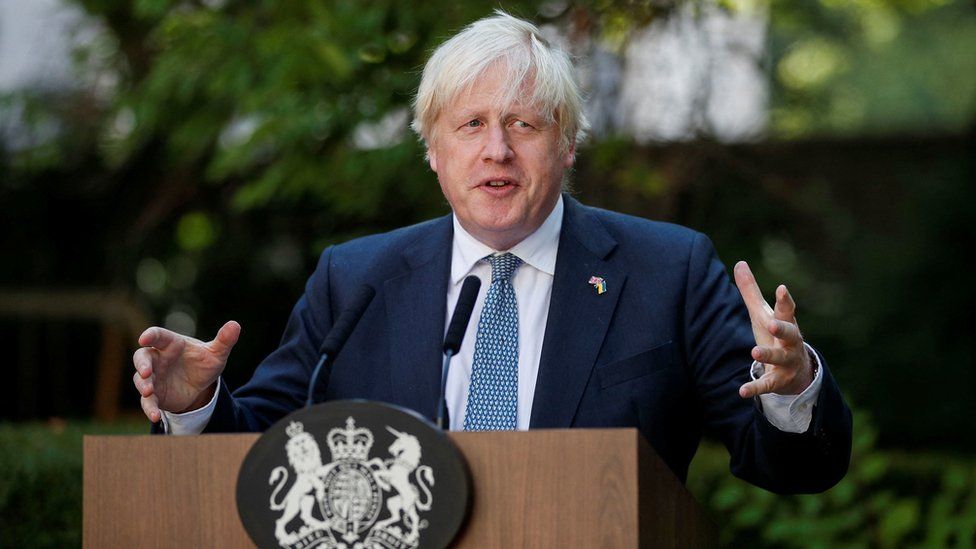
(791, 413)
(192, 422)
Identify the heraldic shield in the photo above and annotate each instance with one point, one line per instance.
(353, 475)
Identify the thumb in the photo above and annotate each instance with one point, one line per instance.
(757, 387)
(226, 338)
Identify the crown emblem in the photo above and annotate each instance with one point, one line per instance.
(350, 443)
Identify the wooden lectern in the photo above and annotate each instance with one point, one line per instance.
(546, 488)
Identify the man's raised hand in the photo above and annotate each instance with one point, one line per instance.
(177, 373)
(779, 344)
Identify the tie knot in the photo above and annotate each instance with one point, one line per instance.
(502, 266)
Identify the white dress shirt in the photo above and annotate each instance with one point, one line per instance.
(533, 288)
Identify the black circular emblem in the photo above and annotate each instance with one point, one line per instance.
(353, 475)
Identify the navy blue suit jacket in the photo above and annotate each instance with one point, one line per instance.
(664, 349)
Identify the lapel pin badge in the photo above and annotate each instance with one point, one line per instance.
(599, 284)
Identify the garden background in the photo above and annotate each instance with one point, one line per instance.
(187, 161)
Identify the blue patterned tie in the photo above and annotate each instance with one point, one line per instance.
(493, 393)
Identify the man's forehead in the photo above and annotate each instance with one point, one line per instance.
(491, 106)
(476, 100)
(494, 88)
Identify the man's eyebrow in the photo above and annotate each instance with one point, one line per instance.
(515, 111)
(526, 114)
(465, 115)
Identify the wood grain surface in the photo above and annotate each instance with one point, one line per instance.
(546, 488)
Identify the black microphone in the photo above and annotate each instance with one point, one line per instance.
(455, 334)
(462, 314)
(340, 332)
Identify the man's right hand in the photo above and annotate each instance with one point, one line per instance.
(178, 373)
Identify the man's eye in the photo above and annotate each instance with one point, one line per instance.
(522, 124)
(473, 123)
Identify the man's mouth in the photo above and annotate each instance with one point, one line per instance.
(498, 183)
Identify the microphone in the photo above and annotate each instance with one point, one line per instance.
(340, 332)
(462, 314)
(455, 334)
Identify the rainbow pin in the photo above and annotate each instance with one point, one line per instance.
(599, 284)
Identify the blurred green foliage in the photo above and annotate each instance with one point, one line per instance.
(887, 499)
(872, 66)
(212, 149)
(40, 481)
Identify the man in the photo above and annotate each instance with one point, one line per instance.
(586, 318)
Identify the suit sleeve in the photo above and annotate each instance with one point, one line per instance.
(280, 382)
(718, 344)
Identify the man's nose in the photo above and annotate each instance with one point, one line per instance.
(497, 147)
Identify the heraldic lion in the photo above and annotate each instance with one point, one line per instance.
(306, 460)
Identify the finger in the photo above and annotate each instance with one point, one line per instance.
(751, 294)
(157, 337)
(226, 338)
(143, 360)
(757, 387)
(785, 308)
(143, 385)
(784, 331)
(772, 355)
(151, 408)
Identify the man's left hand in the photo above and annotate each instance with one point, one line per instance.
(779, 344)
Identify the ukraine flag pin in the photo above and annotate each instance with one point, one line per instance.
(599, 284)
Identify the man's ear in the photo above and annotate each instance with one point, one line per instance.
(432, 159)
(569, 158)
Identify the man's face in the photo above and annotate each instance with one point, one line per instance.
(500, 166)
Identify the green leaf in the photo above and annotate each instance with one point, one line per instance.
(195, 231)
(898, 521)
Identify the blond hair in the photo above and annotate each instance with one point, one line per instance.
(516, 46)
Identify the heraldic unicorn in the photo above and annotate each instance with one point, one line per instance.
(337, 504)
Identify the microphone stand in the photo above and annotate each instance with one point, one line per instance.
(442, 421)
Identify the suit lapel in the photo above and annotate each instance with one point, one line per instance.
(578, 317)
(415, 314)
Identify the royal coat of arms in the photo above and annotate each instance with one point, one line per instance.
(353, 501)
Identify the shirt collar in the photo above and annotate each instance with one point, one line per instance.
(538, 249)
